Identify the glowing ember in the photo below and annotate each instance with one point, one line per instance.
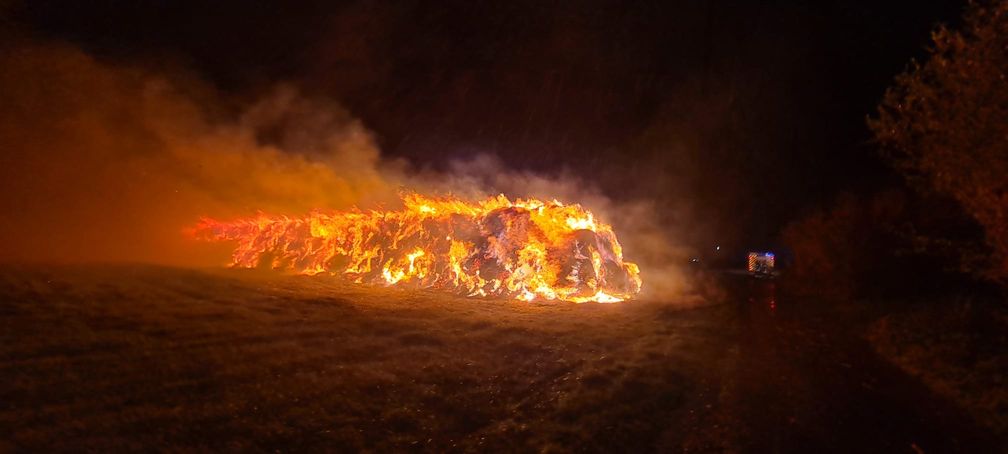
(526, 249)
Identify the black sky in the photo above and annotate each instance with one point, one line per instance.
(749, 113)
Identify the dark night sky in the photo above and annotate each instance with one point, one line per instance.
(752, 111)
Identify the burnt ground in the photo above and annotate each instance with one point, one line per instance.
(130, 357)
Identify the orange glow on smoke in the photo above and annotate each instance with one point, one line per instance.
(525, 249)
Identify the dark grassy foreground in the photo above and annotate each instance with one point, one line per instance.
(958, 347)
(128, 357)
(113, 358)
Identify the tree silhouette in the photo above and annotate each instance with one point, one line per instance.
(944, 123)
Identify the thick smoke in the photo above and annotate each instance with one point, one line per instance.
(110, 163)
(104, 162)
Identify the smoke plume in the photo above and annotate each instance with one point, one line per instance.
(111, 162)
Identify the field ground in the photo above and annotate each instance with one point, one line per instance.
(130, 357)
(958, 347)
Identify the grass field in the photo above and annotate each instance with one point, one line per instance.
(958, 347)
(129, 357)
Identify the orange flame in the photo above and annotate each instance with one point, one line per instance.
(526, 249)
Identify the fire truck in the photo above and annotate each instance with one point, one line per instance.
(761, 264)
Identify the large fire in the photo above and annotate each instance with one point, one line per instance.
(526, 249)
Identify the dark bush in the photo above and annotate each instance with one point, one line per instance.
(894, 243)
(836, 251)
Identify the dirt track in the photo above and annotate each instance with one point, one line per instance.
(112, 357)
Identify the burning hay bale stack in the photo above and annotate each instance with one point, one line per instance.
(526, 249)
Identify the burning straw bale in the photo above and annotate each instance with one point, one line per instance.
(526, 249)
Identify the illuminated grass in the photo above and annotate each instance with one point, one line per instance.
(106, 357)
